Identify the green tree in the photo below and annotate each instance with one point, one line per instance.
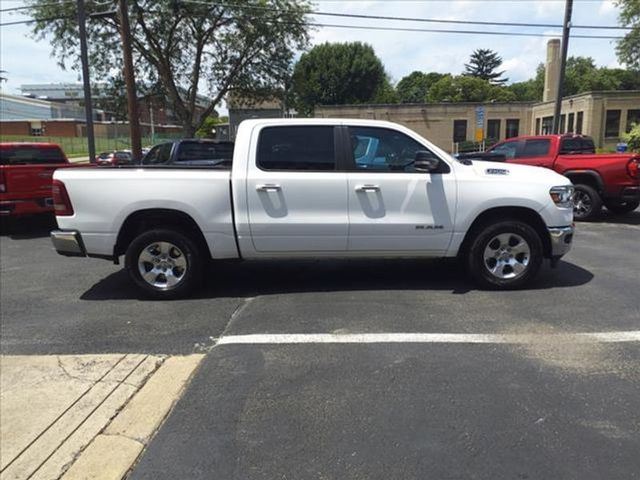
(206, 129)
(210, 47)
(337, 74)
(633, 138)
(414, 87)
(464, 88)
(386, 93)
(483, 64)
(582, 75)
(529, 90)
(628, 49)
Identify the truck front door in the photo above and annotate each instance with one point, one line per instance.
(392, 207)
(296, 197)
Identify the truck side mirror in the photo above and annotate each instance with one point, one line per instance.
(426, 162)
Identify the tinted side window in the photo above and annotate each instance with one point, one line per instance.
(296, 148)
(535, 148)
(384, 150)
(508, 149)
(203, 153)
(158, 155)
(577, 145)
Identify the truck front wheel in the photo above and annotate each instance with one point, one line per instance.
(164, 264)
(505, 255)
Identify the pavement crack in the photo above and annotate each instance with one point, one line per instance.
(205, 348)
(122, 435)
(68, 374)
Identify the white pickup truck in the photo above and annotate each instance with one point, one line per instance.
(313, 188)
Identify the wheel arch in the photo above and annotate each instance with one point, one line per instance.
(586, 177)
(497, 214)
(148, 219)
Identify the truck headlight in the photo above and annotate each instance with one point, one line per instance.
(562, 196)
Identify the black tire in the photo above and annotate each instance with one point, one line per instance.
(587, 204)
(621, 208)
(503, 279)
(183, 263)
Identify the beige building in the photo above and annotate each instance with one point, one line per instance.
(605, 116)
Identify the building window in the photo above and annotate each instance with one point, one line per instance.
(459, 130)
(513, 127)
(571, 120)
(36, 131)
(563, 123)
(493, 129)
(633, 116)
(612, 124)
(547, 125)
(579, 119)
(538, 126)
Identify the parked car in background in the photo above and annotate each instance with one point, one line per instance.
(313, 188)
(116, 157)
(25, 177)
(609, 179)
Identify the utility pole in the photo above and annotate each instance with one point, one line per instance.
(88, 109)
(130, 82)
(153, 131)
(566, 27)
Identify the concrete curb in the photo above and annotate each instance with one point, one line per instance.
(113, 452)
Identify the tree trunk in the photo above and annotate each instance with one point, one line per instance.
(188, 130)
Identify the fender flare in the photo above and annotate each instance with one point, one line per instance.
(591, 173)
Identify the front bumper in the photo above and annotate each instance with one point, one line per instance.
(561, 240)
(68, 243)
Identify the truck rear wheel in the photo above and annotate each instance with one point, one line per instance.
(505, 255)
(587, 203)
(164, 264)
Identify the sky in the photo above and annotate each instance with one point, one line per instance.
(28, 61)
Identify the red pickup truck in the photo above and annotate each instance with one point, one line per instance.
(609, 179)
(25, 177)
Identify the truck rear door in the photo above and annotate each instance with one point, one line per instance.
(296, 196)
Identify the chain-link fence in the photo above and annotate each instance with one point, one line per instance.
(78, 146)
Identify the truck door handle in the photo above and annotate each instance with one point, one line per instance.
(268, 187)
(367, 188)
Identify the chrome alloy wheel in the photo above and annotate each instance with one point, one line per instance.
(582, 204)
(507, 256)
(162, 265)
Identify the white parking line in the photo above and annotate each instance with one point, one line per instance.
(301, 338)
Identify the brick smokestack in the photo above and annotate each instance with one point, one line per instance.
(552, 71)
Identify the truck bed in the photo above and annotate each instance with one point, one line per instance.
(109, 195)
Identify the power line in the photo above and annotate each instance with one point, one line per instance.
(26, 7)
(34, 20)
(464, 32)
(390, 29)
(409, 19)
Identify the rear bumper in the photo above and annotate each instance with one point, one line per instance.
(26, 206)
(561, 240)
(629, 193)
(68, 243)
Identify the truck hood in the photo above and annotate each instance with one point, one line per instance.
(514, 173)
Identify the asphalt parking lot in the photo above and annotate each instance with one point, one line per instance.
(524, 410)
